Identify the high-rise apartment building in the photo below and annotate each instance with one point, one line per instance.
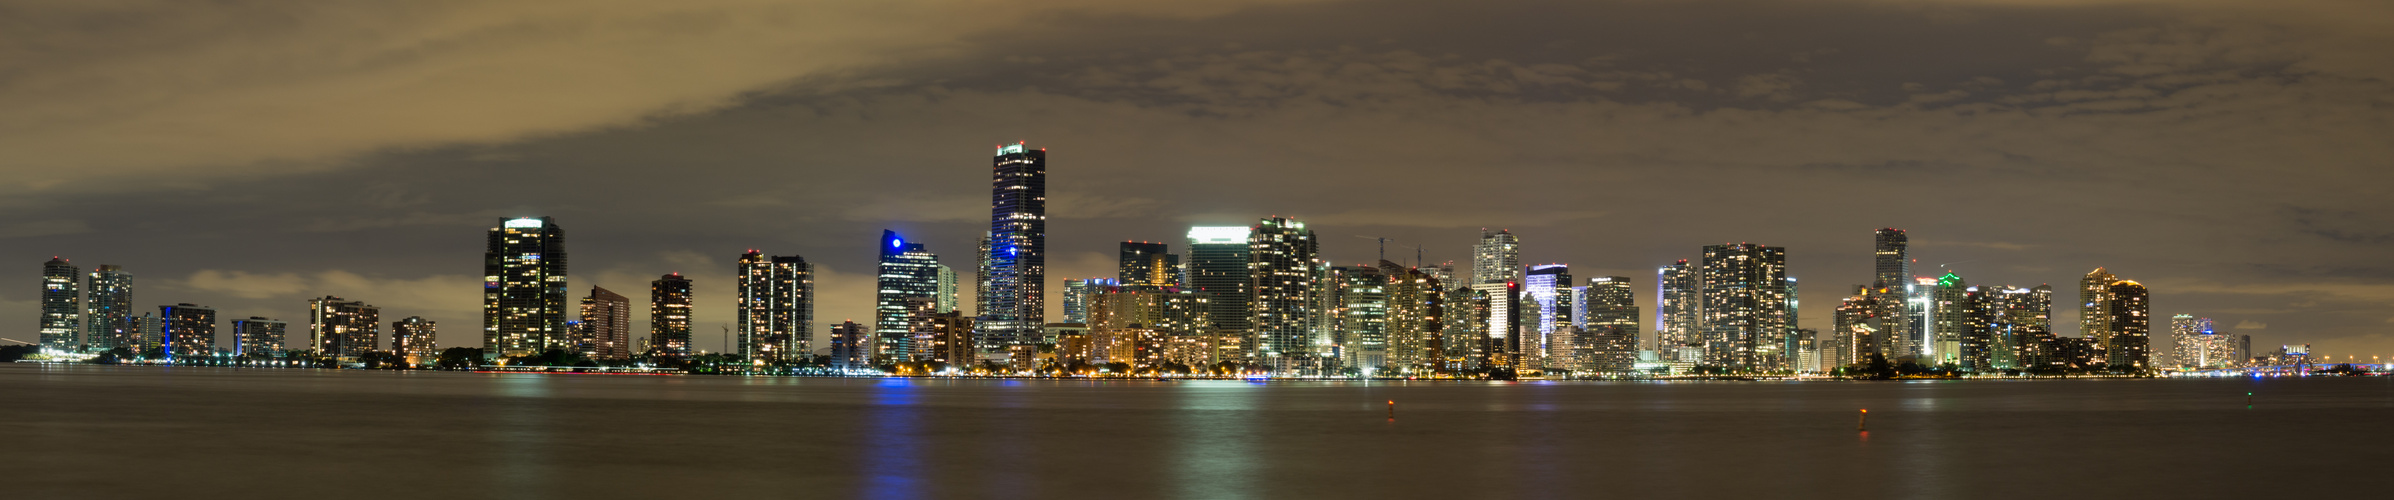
(947, 290)
(1677, 307)
(1949, 323)
(1546, 294)
(1607, 322)
(1283, 301)
(606, 325)
(258, 337)
(190, 330)
(908, 271)
(2130, 345)
(1496, 258)
(62, 306)
(777, 307)
(523, 289)
(1466, 342)
(343, 328)
(1148, 264)
(1902, 294)
(149, 334)
(1744, 305)
(1217, 265)
(851, 346)
(1076, 301)
(669, 310)
(1359, 309)
(416, 340)
(1415, 325)
(2094, 308)
(110, 322)
(1015, 296)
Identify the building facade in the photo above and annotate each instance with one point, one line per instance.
(190, 330)
(2130, 345)
(1217, 265)
(669, 307)
(416, 340)
(524, 289)
(605, 329)
(777, 307)
(343, 329)
(62, 306)
(1015, 296)
(1283, 302)
(1744, 301)
(259, 337)
(908, 271)
(1148, 264)
(109, 324)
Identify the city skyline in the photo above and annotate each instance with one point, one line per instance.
(2211, 217)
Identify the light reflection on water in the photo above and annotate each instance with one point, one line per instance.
(448, 435)
(1213, 456)
(894, 442)
(521, 436)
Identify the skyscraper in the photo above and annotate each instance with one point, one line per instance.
(1496, 271)
(110, 324)
(1283, 302)
(777, 306)
(1546, 292)
(947, 291)
(1016, 294)
(1949, 323)
(1497, 257)
(907, 271)
(342, 328)
(1218, 265)
(1415, 324)
(1607, 311)
(1677, 309)
(1148, 264)
(606, 326)
(2094, 309)
(258, 337)
(669, 315)
(1907, 300)
(190, 330)
(1360, 334)
(2130, 343)
(523, 289)
(1894, 262)
(851, 346)
(1076, 301)
(62, 306)
(416, 340)
(1744, 307)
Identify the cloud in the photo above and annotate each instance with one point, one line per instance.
(2251, 325)
(43, 228)
(151, 85)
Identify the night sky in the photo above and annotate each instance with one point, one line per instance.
(2235, 157)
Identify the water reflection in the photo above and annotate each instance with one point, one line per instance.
(893, 443)
(1214, 453)
(520, 437)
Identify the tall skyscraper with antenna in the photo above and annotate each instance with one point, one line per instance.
(1014, 298)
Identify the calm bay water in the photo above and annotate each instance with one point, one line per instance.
(123, 432)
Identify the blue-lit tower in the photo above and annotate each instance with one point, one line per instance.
(907, 272)
(1014, 301)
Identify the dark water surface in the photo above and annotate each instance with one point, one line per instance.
(126, 432)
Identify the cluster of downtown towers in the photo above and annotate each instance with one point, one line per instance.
(1260, 297)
